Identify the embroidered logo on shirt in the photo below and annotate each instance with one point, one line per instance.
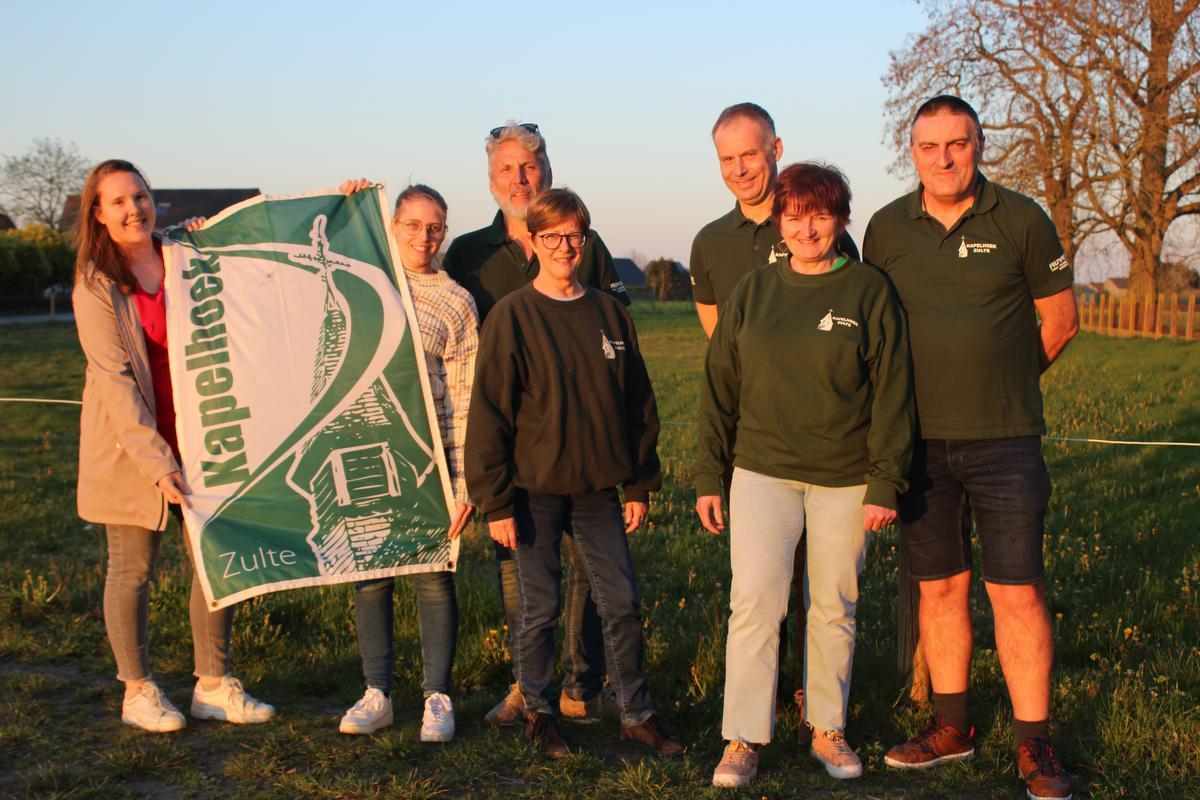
(829, 320)
(616, 287)
(1059, 263)
(965, 248)
(780, 250)
(610, 346)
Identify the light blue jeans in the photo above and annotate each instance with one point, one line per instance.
(767, 516)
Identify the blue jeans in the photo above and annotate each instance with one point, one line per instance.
(437, 613)
(583, 639)
(599, 532)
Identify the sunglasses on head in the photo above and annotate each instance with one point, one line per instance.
(528, 126)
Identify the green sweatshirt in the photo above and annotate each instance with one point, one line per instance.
(811, 375)
(562, 402)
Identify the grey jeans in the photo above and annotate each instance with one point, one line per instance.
(131, 554)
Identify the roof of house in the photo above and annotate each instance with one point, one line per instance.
(175, 205)
(629, 272)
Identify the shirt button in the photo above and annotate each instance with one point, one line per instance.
(755, 247)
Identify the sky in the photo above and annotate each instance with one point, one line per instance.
(294, 97)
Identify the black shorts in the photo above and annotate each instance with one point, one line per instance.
(1001, 483)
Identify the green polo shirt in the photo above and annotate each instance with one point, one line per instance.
(489, 265)
(968, 293)
(728, 247)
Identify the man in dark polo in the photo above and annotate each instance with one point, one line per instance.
(490, 263)
(975, 265)
(736, 243)
(746, 238)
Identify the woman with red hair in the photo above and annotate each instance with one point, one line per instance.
(808, 392)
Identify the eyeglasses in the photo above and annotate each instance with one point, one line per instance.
(551, 241)
(527, 126)
(412, 227)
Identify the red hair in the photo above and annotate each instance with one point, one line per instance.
(812, 187)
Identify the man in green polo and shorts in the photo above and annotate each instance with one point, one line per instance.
(490, 263)
(736, 244)
(975, 265)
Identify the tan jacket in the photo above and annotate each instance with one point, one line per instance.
(121, 454)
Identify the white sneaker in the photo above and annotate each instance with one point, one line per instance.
(229, 703)
(150, 710)
(372, 712)
(831, 749)
(437, 723)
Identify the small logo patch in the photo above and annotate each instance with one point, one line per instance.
(965, 248)
(610, 346)
(829, 320)
(1059, 263)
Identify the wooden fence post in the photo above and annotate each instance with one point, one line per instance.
(1157, 321)
(1191, 312)
(1174, 315)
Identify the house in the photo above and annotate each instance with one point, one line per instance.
(1117, 287)
(629, 272)
(173, 206)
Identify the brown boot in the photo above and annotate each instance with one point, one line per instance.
(510, 710)
(804, 731)
(651, 736)
(541, 732)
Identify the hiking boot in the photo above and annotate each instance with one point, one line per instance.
(582, 711)
(937, 743)
(229, 703)
(437, 723)
(150, 710)
(831, 749)
(651, 735)
(542, 733)
(372, 712)
(510, 710)
(1044, 778)
(739, 765)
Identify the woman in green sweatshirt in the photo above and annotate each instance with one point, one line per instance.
(808, 371)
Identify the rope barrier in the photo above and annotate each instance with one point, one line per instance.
(692, 424)
(39, 400)
(1045, 438)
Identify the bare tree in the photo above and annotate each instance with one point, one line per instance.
(1090, 105)
(38, 183)
(1148, 85)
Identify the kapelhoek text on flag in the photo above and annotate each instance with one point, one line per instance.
(306, 427)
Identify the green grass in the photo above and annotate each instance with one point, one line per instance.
(1122, 552)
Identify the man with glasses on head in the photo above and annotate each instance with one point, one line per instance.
(490, 263)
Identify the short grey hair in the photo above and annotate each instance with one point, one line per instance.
(530, 140)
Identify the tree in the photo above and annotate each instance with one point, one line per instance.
(1090, 105)
(38, 183)
(668, 280)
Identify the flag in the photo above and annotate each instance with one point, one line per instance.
(306, 428)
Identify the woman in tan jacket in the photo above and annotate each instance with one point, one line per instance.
(129, 476)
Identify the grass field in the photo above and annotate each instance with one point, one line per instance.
(1122, 552)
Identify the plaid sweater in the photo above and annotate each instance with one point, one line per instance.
(449, 328)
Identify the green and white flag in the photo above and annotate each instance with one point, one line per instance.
(305, 421)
